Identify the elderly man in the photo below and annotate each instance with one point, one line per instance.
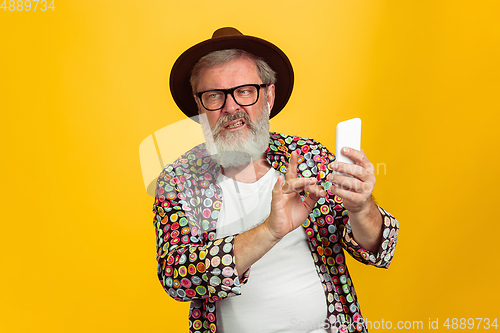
(247, 227)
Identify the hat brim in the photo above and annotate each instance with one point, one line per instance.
(271, 54)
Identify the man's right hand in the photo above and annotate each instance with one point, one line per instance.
(288, 210)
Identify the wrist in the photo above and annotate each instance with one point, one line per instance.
(367, 214)
(269, 234)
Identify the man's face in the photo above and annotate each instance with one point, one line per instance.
(240, 133)
(228, 75)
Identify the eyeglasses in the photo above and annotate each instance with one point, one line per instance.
(245, 95)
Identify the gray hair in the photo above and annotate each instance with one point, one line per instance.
(266, 74)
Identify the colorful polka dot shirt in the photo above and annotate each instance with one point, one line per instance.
(194, 266)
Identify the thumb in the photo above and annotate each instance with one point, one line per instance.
(277, 189)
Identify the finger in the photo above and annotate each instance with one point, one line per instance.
(350, 183)
(311, 199)
(317, 190)
(297, 185)
(356, 171)
(358, 157)
(346, 195)
(291, 172)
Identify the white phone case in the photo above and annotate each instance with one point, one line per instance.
(348, 135)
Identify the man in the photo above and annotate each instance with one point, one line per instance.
(244, 231)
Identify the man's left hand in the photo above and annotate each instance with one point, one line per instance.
(356, 190)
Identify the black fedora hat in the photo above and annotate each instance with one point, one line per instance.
(230, 38)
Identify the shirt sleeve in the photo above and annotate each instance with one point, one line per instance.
(190, 266)
(381, 258)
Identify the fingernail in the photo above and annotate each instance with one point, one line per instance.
(346, 150)
(335, 166)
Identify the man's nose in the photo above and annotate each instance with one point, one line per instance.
(231, 106)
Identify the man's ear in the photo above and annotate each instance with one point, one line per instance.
(270, 96)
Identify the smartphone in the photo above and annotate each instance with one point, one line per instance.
(348, 135)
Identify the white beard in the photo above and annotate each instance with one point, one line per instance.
(237, 148)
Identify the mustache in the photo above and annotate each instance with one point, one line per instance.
(217, 129)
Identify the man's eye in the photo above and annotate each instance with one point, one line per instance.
(214, 95)
(244, 91)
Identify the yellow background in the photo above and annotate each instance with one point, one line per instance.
(82, 86)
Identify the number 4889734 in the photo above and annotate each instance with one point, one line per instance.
(470, 323)
(26, 5)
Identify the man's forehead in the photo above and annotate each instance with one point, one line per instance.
(233, 72)
(238, 63)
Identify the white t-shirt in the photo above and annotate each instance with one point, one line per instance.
(283, 292)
